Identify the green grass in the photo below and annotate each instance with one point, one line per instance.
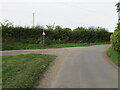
(20, 46)
(114, 55)
(22, 71)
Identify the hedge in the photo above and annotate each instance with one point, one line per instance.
(116, 40)
(57, 35)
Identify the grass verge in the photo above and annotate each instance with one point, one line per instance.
(20, 46)
(21, 71)
(114, 55)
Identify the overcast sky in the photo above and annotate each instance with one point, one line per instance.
(66, 13)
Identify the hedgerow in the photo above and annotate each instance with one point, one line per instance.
(55, 35)
(116, 40)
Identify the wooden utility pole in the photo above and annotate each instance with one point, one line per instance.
(43, 36)
(33, 20)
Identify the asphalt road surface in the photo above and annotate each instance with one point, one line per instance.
(77, 67)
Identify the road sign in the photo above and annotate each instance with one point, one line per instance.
(43, 33)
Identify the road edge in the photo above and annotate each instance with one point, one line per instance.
(110, 60)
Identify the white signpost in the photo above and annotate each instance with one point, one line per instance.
(43, 34)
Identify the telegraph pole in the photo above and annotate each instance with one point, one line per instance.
(43, 34)
(33, 20)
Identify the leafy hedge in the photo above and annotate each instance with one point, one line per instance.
(20, 32)
(116, 40)
(54, 35)
(62, 35)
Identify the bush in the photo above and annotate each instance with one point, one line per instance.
(116, 40)
(91, 35)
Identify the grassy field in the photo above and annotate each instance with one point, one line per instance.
(115, 56)
(20, 46)
(21, 71)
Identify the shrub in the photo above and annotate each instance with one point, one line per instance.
(116, 40)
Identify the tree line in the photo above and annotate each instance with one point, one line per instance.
(55, 34)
